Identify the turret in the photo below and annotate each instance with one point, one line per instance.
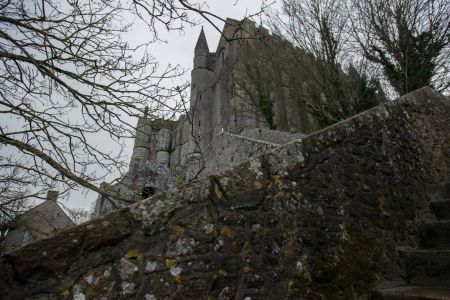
(202, 77)
(163, 147)
(141, 148)
(201, 52)
(52, 196)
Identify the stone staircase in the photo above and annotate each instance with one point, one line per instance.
(427, 267)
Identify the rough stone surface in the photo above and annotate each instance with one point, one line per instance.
(319, 218)
(272, 136)
(229, 149)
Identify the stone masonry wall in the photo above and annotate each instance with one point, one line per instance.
(272, 136)
(314, 219)
(229, 149)
(224, 151)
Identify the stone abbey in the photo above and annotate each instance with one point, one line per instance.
(227, 121)
(277, 210)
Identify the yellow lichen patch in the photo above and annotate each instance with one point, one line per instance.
(226, 231)
(277, 180)
(201, 284)
(218, 192)
(64, 287)
(281, 194)
(304, 260)
(244, 252)
(381, 202)
(170, 262)
(178, 230)
(391, 161)
(246, 269)
(222, 273)
(289, 251)
(134, 254)
(178, 279)
(290, 284)
(297, 196)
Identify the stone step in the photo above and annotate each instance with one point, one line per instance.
(435, 235)
(413, 293)
(427, 267)
(441, 209)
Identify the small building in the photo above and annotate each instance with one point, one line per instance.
(39, 222)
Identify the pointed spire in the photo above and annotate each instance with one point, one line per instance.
(201, 48)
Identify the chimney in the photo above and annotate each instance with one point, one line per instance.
(52, 195)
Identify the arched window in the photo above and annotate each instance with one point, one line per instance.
(147, 191)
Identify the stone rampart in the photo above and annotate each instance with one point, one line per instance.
(318, 218)
(272, 136)
(229, 149)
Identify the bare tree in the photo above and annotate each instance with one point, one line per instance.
(409, 39)
(69, 76)
(317, 27)
(329, 82)
(15, 191)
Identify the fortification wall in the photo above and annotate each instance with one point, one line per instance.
(317, 218)
(272, 136)
(229, 149)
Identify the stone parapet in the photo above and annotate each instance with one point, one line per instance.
(318, 218)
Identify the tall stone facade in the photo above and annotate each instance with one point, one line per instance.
(232, 114)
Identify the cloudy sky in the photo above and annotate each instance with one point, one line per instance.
(178, 49)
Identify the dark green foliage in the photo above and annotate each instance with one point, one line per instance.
(409, 39)
(368, 93)
(256, 89)
(342, 95)
(414, 65)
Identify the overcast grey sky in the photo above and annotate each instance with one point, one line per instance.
(178, 50)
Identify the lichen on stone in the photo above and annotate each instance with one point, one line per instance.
(150, 266)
